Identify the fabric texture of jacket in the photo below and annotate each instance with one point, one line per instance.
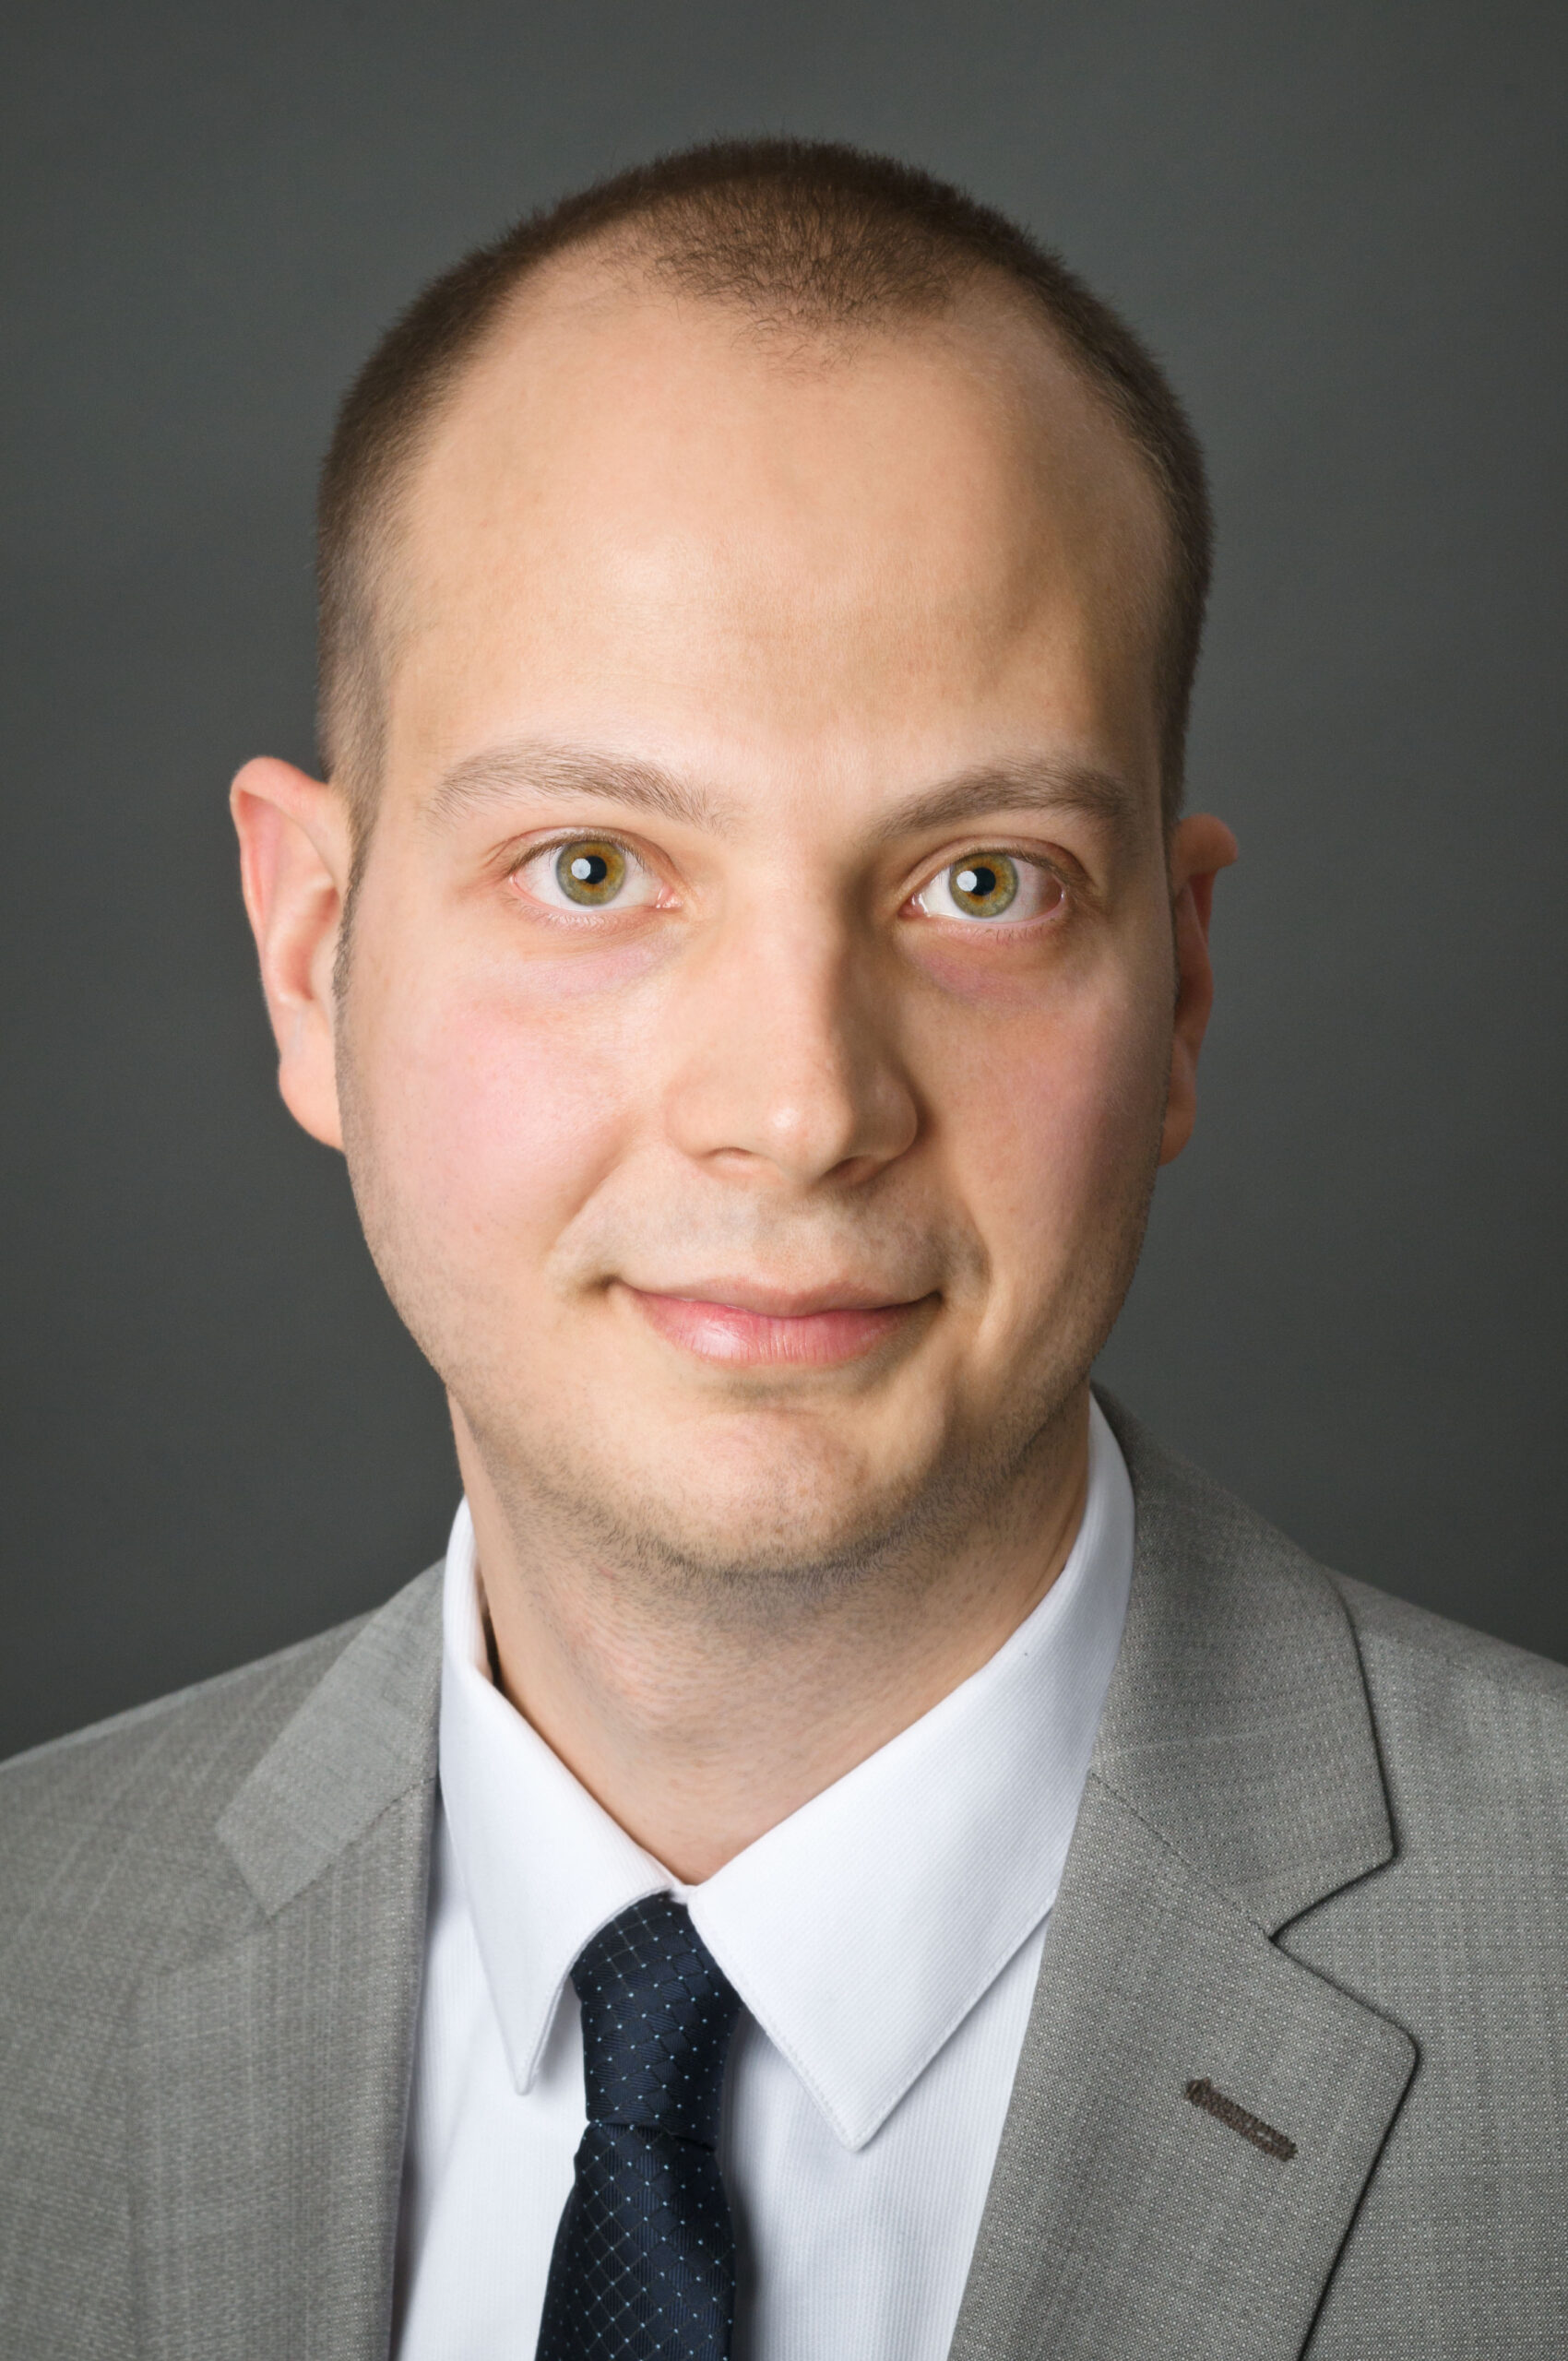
(1295, 2079)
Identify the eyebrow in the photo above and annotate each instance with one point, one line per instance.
(501, 773)
(1032, 785)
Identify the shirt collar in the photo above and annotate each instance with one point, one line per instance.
(862, 1930)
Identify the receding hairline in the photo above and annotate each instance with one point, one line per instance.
(728, 229)
(617, 272)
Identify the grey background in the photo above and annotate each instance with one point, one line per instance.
(1342, 226)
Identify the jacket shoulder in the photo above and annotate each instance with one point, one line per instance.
(108, 1849)
(1473, 1735)
(113, 1870)
(120, 1737)
(1431, 1647)
(168, 1765)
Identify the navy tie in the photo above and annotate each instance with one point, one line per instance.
(644, 2267)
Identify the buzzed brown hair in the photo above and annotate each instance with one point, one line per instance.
(810, 238)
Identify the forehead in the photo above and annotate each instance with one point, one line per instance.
(646, 515)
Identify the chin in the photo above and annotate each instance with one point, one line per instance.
(783, 1531)
(815, 1483)
(768, 1513)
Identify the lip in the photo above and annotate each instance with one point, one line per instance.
(746, 1326)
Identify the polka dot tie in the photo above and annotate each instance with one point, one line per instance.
(644, 2267)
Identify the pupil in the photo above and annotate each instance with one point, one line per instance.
(977, 883)
(591, 869)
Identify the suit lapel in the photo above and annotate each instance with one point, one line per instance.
(269, 2074)
(1124, 2221)
(1235, 1784)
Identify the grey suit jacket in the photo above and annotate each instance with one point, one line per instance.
(1296, 2079)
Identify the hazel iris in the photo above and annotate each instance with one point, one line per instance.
(590, 873)
(985, 885)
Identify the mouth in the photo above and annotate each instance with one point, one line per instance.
(743, 1326)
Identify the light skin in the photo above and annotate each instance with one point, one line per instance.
(771, 990)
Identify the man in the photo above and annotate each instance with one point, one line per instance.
(858, 1854)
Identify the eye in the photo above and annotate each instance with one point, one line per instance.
(990, 885)
(587, 873)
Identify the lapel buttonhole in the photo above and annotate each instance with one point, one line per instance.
(1202, 2093)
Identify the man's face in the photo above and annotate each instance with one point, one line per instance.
(756, 1046)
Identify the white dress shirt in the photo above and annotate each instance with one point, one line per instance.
(885, 1939)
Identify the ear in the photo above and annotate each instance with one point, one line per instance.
(1200, 849)
(295, 851)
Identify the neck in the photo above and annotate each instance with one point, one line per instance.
(699, 1732)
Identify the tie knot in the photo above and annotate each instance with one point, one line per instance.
(657, 2015)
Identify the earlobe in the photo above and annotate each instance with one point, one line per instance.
(295, 851)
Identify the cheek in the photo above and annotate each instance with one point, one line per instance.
(1052, 1120)
(498, 1113)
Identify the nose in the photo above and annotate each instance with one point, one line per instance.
(786, 1069)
